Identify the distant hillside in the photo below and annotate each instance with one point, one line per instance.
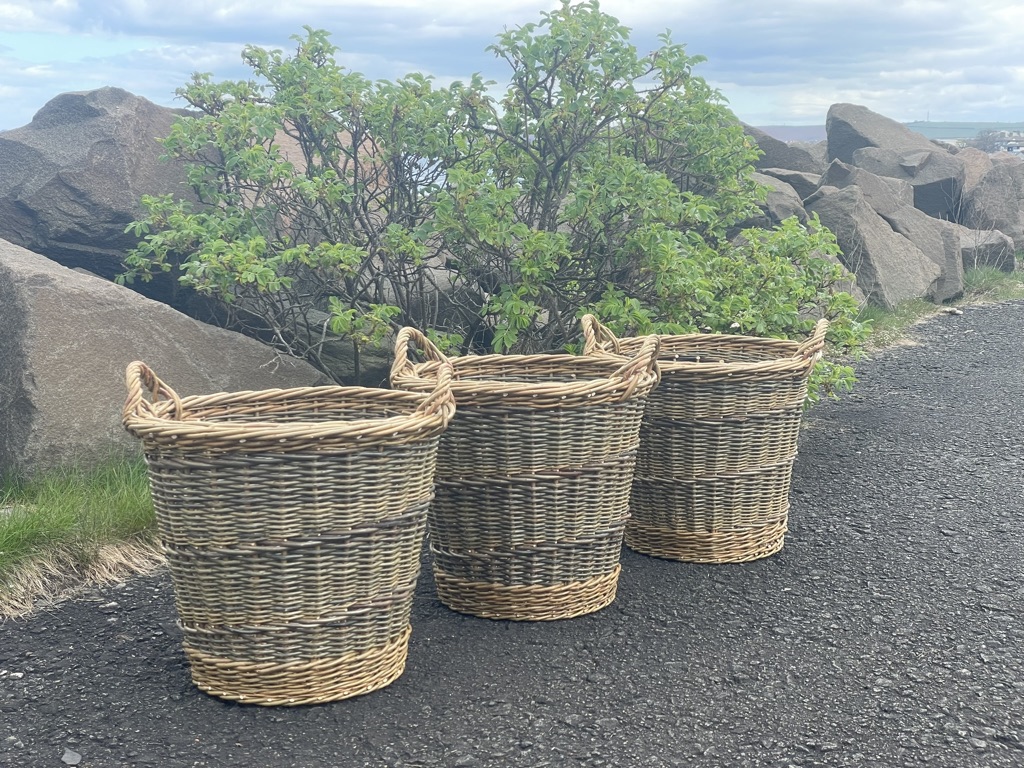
(809, 133)
(952, 131)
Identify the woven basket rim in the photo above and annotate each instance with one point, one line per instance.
(174, 421)
(782, 356)
(667, 363)
(622, 379)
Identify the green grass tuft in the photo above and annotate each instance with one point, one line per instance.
(988, 284)
(73, 511)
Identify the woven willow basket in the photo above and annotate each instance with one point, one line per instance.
(718, 442)
(533, 477)
(292, 521)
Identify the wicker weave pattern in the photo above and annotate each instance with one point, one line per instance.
(685, 449)
(718, 443)
(294, 547)
(529, 602)
(533, 478)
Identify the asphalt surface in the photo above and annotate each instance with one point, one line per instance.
(887, 632)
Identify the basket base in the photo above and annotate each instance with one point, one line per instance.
(295, 683)
(527, 602)
(738, 546)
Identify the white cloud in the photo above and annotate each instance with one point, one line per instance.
(36, 15)
(786, 61)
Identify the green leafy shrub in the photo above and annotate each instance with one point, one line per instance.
(605, 181)
(316, 188)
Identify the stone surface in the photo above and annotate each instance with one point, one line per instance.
(779, 154)
(936, 177)
(890, 269)
(73, 178)
(65, 341)
(892, 199)
(803, 183)
(887, 148)
(939, 241)
(884, 193)
(997, 202)
(986, 248)
(850, 127)
(782, 203)
(976, 164)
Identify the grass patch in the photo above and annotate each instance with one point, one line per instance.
(988, 284)
(888, 327)
(73, 527)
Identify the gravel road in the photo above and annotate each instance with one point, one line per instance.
(887, 632)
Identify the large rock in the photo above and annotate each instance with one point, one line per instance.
(781, 203)
(976, 164)
(997, 202)
(887, 148)
(884, 193)
(890, 269)
(892, 199)
(73, 177)
(802, 182)
(937, 177)
(986, 248)
(850, 127)
(65, 340)
(939, 241)
(779, 154)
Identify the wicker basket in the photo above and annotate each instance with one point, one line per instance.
(293, 522)
(717, 444)
(533, 477)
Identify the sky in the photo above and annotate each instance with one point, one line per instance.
(782, 62)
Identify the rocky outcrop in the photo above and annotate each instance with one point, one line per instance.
(885, 147)
(71, 181)
(850, 127)
(73, 178)
(65, 340)
(940, 242)
(885, 194)
(890, 269)
(892, 199)
(976, 164)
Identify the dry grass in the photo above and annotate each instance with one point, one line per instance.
(47, 580)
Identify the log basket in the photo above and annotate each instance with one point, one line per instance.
(292, 521)
(533, 477)
(718, 442)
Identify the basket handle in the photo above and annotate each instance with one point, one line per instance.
(595, 336)
(442, 397)
(138, 377)
(412, 337)
(815, 345)
(644, 362)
